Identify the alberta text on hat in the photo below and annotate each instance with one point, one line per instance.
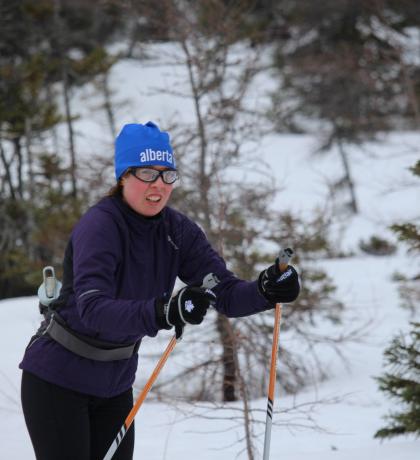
(155, 155)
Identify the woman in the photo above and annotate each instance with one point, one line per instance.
(120, 268)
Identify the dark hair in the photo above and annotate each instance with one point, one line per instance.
(116, 190)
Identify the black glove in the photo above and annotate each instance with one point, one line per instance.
(189, 306)
(278, 286)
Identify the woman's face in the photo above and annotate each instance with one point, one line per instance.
(146, 198)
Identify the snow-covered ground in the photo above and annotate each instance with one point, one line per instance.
(353, 407)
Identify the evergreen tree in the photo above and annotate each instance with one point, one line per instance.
(402, 381)
(409, 233)
(47, 48)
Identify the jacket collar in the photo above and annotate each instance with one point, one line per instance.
(133, 217)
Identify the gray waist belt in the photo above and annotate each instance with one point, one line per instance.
(79, 346)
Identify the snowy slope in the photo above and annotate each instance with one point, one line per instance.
(365, 286)
(351, 415)
(353, 406)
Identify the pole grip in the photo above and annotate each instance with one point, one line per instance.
(50, 287)
(284, 257)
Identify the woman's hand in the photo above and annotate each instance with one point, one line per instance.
(277, 286)
(189, 306)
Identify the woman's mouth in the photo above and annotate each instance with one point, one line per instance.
(153, 198)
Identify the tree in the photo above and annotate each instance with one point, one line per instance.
(44, 45)
(402, 383)
(343, 64)
(236, 214)
(221, 69)
(77, 37)
(26, 113)
(219, 77)
(402, 357)
(409, 233)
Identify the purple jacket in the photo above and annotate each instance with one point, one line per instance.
(121, 263)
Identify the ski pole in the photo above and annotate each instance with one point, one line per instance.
(284, 258)
(209, 282)
(130, 417)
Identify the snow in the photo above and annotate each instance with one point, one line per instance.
(352, 408)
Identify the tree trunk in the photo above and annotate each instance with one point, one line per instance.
(28, 138)
(73, 165)
(348, 177)
(30, 222)
(18, 154)
(108, 104)
(66, 94)
(8, 176)
(222, 323)
(233, 376)
(229, 369)
(203, 177)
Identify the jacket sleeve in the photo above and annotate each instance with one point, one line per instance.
(97, 252)
(235, 297)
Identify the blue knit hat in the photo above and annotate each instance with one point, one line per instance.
(142, 145)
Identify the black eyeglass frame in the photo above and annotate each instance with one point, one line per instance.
(161, 174)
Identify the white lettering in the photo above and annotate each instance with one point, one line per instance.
(284, 275)
(150, 155)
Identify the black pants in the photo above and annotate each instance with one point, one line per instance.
(67, 425)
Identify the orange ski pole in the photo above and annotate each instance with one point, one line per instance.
(208, 282)
(284, 258)
(130, 417)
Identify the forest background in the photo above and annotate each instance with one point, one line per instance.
(346, 72)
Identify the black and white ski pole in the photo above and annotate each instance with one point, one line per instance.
(284, 257)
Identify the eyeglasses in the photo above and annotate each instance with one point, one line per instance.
(169, 176)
